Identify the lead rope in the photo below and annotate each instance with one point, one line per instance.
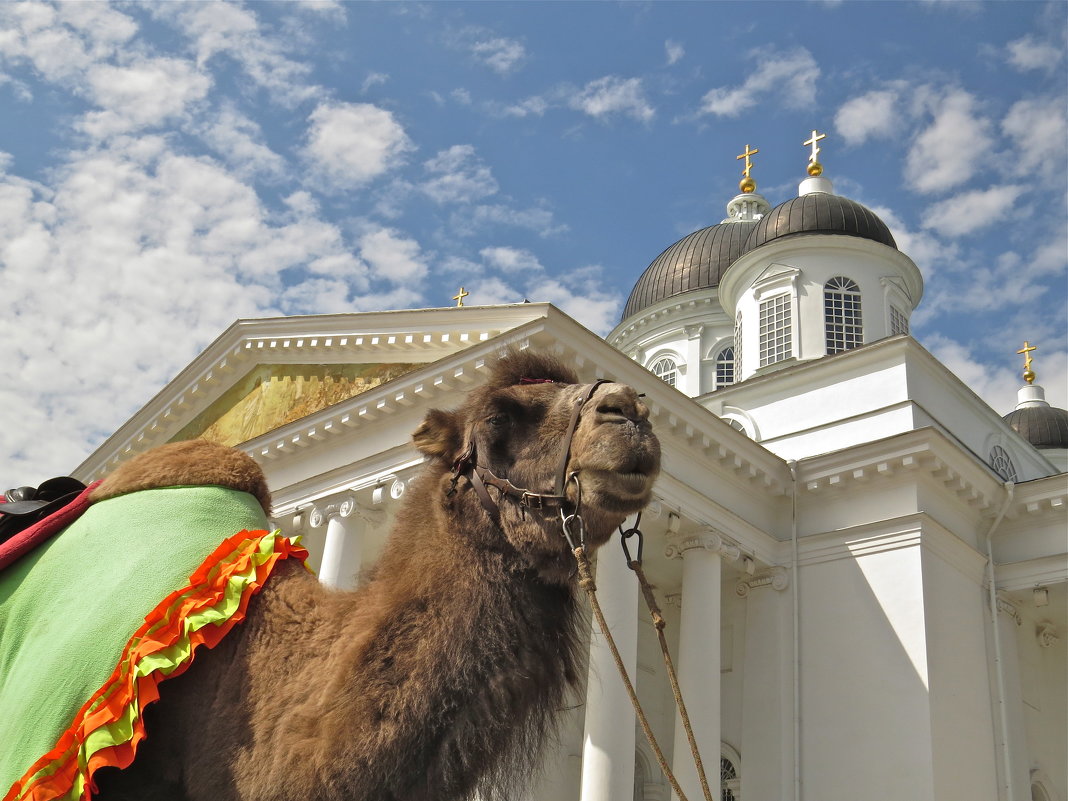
(587, 583)
(659, 624)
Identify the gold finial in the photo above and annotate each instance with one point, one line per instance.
(1028, 373)
(815, 169)
(747, 184)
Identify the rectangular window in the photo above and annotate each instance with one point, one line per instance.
(776, 330)
(842, 316)
(899, 323)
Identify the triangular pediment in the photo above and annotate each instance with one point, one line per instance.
(265, 374)
(272, 395)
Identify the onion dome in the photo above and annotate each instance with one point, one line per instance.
(696, 261)
(819, 212)
(1042, 426)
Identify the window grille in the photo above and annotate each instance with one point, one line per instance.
(776, 330)
(728, 780)
(666, 370)
(841, 312)
(899, 323)
(1002, 463)
(738, 344)
(725, 367)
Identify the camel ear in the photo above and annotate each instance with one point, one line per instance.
(439, 435)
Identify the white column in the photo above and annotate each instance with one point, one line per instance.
(344, 541)
(767, 691)
(693, 360)
(608, 740)
(1020, 765)
(699, 656)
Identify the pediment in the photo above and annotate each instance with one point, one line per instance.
(272, 395)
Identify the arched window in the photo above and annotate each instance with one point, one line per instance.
(666, 370)
(1002, 463)
(725, 367)
(841, 314)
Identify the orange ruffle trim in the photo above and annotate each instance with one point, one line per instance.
(108, 728)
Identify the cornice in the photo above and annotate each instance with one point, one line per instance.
(1041, 499)
(667, 314)
(923, 452)
(742, 272)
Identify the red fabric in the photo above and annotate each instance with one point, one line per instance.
(39, 533)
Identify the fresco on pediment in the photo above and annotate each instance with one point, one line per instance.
(272, 395)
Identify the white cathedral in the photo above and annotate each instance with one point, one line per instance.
(864, 567)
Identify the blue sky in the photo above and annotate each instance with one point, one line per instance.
(167, 168)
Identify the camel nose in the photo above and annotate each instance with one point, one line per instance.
(620, 403)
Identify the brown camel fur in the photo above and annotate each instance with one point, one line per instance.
(441, 675)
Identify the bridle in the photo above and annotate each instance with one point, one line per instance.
(481, 477)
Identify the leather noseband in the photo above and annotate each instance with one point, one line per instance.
(481, 477)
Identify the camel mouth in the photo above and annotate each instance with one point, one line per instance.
(633, 486)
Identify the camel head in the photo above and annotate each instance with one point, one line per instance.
(512, 436)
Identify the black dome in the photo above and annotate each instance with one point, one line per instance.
(1042, 426)
(696, 261)
(819, 213)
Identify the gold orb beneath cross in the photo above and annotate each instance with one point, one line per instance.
(815, 169)
(747, 185)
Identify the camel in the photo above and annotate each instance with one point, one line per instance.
(440, 676)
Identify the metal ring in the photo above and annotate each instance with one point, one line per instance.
(567, 521)
(625, 535)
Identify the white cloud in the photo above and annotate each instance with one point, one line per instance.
(535, 105)
(61, 42)
(511, 260)
(458, 176)
(595, 309)
(1029, 53)
(613, 95)
(499, 53)
(995, 385)
(144, 93)
(674, 51)
(239, 140)
(788, 78)
(969, 211)
(1039, 127)
(952, 148)
(372, 80)
(870, 115)
(351, 144)
(536, 219)
(392, 257)
(227, 29)
(145, 255)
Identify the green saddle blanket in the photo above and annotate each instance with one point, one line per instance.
(94, 619)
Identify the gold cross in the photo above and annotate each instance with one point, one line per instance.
(812, 159)
(1026, 350)
(459, 297)
(748, 162)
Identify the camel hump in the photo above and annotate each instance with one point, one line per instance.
(194, 462)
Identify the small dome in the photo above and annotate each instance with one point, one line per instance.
(819, 213)
(696, 261)
(1043, 426)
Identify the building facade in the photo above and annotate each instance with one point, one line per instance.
(863, 567)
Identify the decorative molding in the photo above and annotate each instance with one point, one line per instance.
(708, 540)
(1047, 635)
(1010, 610)
(778, 578)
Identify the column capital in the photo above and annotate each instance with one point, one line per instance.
(693, 331)
(706, 540)
(777, 578)
(1047, 635)
(342, 506)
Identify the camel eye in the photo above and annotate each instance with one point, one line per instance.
(498, 420)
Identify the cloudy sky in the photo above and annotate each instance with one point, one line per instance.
(166, 168)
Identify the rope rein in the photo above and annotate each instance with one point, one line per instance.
(586, 582)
